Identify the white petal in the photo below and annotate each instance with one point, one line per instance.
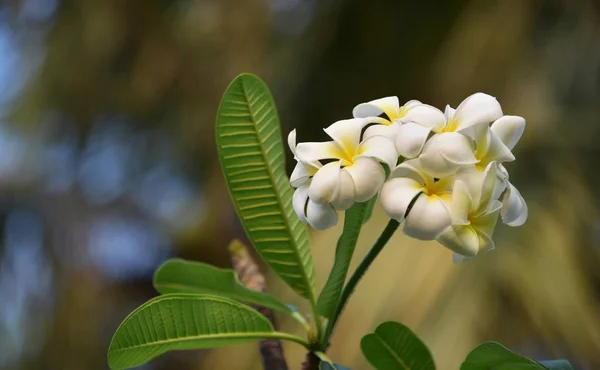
(292, 142)
(389, 105)
(368, 176)
(346, 133)
(486, 223)
(509, 129)
(488, 190)
(325, 183)
(299, 202)
(477, 108)
(411, 169)
(461, 204)
(445, 153)
(310, 152)
(491, 148)
(427, 219)
(397, 194)
(410, 139)
(346, 194)
(514, 209)
(425, 115)
(388, 130)
(301, 175)
(320, 216)
(380, 148)
(449, 113)
(410, 104)
(462, 240)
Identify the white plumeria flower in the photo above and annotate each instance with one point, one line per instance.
(356, 173)
(451, 148)
(408, 125)
(415, 197)
(474, 212)
(319, 216)
(508, 130)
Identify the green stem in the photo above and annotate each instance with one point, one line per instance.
(360, 271)
(317, 319)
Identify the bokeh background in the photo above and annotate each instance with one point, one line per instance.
(108, 164)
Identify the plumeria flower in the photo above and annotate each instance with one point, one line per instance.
(319, 216)
(417, 198)
(508, 130)
(452, 148)
(474, 213)
(354, 172)
(408, 125)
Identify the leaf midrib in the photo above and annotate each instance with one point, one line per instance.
(280, 204)
(392, 352)
(254, 335)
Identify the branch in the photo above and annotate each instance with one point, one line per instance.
(271, 350)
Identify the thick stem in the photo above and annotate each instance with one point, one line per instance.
(271, 350)
(311, 362)
(360, 271)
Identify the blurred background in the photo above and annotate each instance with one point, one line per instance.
(108, 164)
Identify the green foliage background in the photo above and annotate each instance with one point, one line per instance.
(162, 65)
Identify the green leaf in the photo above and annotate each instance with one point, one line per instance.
(253, 162)
(557, 365)
(186, 321)
(330, 295)
(492, 355)
(393, 346)
(179, 276)
(369, 211)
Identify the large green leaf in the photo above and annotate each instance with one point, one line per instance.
(179, 276)
(393, 346)
(186, 321)
(353, 221)
(492, 355)
(253, 162)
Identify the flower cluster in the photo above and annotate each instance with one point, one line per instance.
(440, 173)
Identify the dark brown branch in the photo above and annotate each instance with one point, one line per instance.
(271, 350)
(311, 362)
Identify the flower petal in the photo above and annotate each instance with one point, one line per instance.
(427, 219)
(509, 129)
(389, 105)
(491, 148)
(477, 108)
(345, 194)
(445, 153)
(397, 194)
(514, 209)
(346, 133)
(411, 169)
(310, 152)
(292, 142)
(461, 203)
(325, 183)
(449, 113)
(425, 115)
(320, 216)
(486, 223)
(379, 148)
(390, 131)
(368, 176)
(299, 202)
(410, 139)
(460, 239)
(301, 175)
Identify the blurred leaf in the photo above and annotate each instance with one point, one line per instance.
(369, 211)
(394, 346)
(494, 355)
(253, 162)
(180, 276)
(186, 321)
(353, 221)
(557, 364)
